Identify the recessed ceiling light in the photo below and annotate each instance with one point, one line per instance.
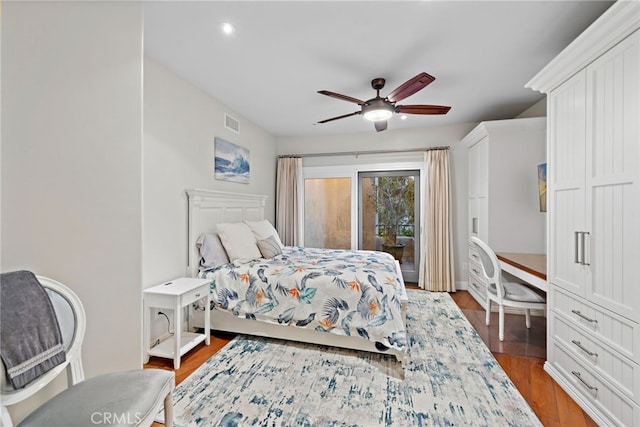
(403, 117)
(228, 28)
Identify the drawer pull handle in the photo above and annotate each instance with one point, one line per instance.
(475, 271)
(577, 313)
(581, 347)
(197, 295)
(475, 256)
(587, 385)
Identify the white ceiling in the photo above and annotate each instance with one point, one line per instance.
(481, 53)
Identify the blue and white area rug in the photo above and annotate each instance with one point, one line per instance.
(450, 378)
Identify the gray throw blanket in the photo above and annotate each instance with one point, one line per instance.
(30, 338)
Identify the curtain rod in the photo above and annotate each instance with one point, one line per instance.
(357, 153)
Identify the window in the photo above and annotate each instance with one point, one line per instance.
(327, 209)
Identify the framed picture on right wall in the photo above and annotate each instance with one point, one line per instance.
(542, 186)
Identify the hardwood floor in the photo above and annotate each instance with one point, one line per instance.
(518, 340)
(521, 355)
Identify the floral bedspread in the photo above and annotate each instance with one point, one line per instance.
(353, 293)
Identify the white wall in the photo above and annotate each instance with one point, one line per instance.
(71, 164)
(404, 139)
(539, 109)
(180, 124)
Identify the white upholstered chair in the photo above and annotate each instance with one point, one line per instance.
(121, 398)
(509, 294)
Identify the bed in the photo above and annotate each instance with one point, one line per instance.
(348, 299)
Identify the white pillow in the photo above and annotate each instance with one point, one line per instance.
(263, 229)
(238, 240)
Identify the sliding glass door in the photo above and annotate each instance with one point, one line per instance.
(389, 216)
(369, 206)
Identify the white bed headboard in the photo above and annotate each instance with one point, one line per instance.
(208, 208)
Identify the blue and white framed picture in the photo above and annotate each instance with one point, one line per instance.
(542, 186)
(231, 162)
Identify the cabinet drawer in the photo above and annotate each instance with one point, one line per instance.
(619, 408)
(195, 295)
(478, 288)
(621, 333)
(474, 256)
(477, 284)
(622, 372)
(476, 269)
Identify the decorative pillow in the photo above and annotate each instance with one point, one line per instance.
(212, 253)
(238, 240)
(269, 247)
(263, 229)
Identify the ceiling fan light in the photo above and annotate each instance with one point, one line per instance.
(378, 114)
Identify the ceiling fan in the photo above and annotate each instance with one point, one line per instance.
(379, 109)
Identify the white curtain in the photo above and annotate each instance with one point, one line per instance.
(288, 172)
(436, 266)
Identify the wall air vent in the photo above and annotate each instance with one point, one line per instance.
(231, 123)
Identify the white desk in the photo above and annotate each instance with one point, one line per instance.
(532, 268)
(174, 295)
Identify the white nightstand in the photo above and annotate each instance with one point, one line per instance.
(175, 294)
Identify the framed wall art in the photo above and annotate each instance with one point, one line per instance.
(542, 186)
(231, 162)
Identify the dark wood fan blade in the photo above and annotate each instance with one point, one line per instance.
(422, 109)
(340, 96)
(381, 125)
(410, 87)
(339, 117)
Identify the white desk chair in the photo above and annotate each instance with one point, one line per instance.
(125, 398)
(508, 294)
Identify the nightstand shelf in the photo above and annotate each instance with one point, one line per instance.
(175, 295)
(166, 348)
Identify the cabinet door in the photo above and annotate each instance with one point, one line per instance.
(483, 220)
(612, 178)
(566, 183)
(483, 167)
(473, 170)
(478, 189)
(474, 225)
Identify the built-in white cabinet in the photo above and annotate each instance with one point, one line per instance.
(503, 202)
(593, 171)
